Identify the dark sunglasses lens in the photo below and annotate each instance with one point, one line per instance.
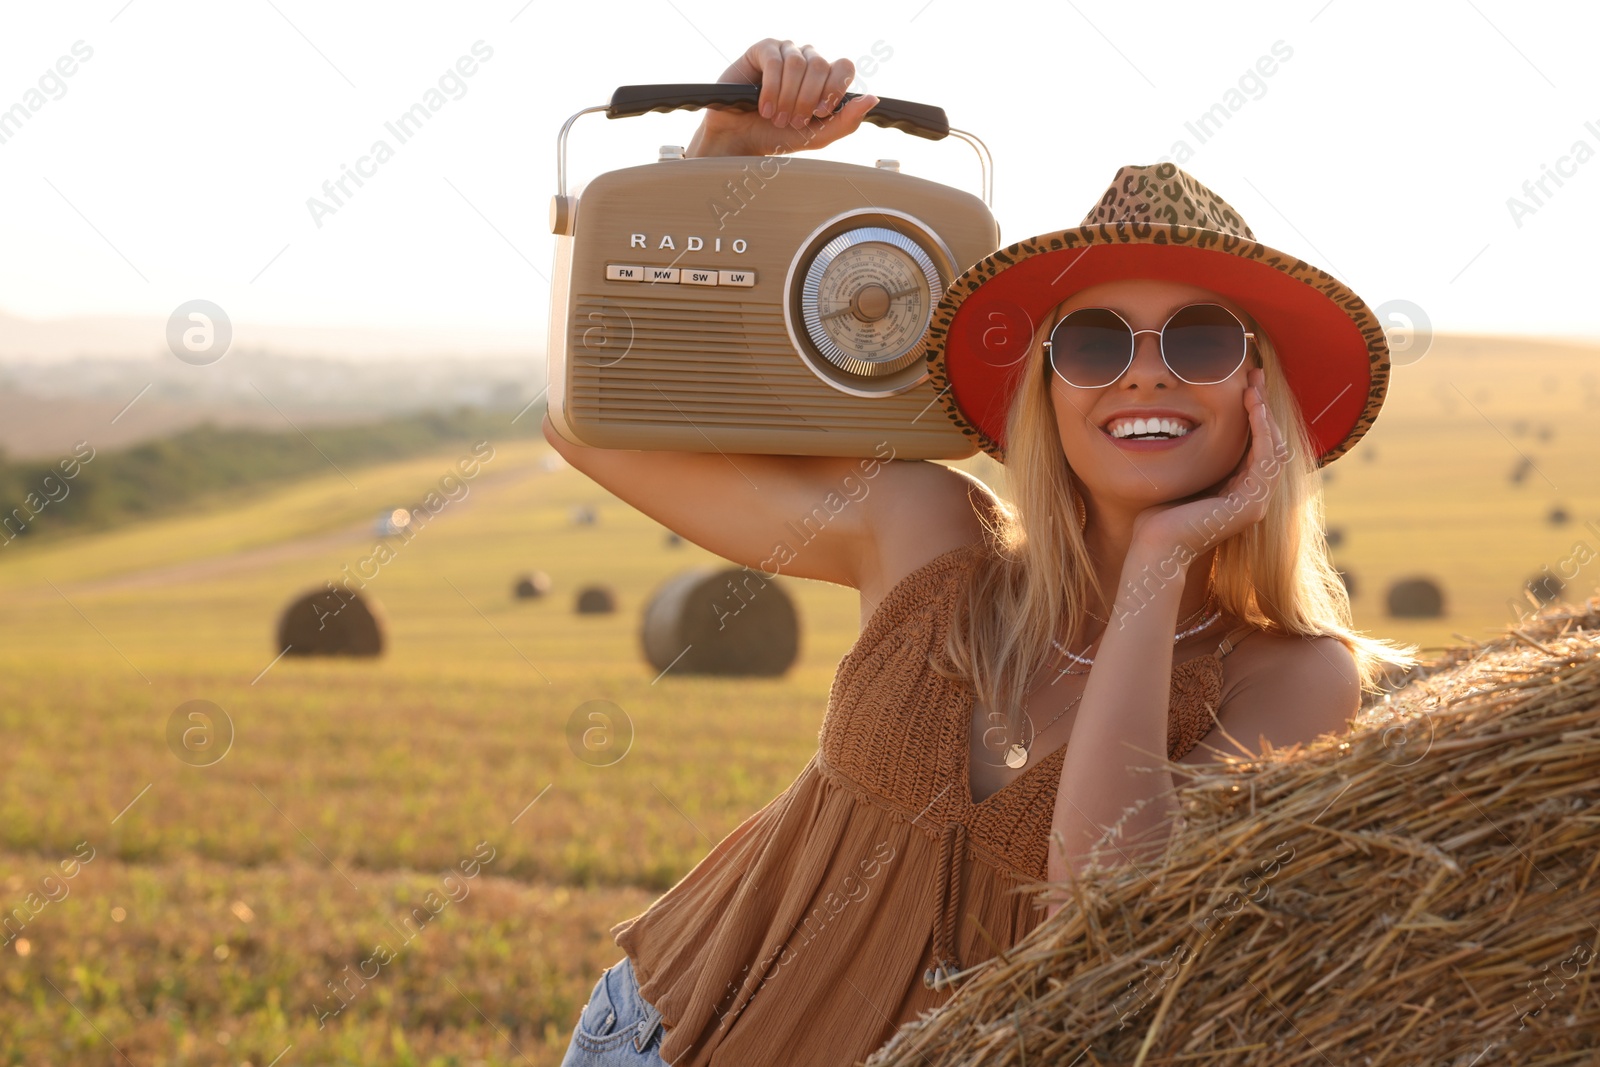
(1203, 344)
(1090, 347)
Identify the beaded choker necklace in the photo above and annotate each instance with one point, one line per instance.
(1017, 755)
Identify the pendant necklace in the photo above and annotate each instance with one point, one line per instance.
(1017, 755)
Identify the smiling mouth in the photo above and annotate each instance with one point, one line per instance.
(1156, 436)
(1162, 429)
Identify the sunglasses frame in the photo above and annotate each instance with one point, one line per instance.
(1133, 344)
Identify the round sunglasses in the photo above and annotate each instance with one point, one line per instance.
(1202, 344)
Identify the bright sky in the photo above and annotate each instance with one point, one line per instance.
(176, 160)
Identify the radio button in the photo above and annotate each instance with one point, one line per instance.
(664, 275)
(746, 278)
(618, 272)
(699, 277)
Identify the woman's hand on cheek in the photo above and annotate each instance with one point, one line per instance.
(1198, 525)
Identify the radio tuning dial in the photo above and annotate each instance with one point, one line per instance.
(867, 299)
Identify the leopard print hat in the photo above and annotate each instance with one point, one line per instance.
(1158, 222)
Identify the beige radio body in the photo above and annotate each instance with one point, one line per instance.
(767, 304)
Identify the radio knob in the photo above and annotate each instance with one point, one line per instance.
(866, 299)
(871, 303)
(670, 151)
(889, 164)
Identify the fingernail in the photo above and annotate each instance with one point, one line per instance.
(783, 117)
(766, 111)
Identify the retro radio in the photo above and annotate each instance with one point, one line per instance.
(769, 304)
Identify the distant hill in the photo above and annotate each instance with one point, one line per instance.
(109, 487)
(113, 402)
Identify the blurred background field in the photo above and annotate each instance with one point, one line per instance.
(221, 901)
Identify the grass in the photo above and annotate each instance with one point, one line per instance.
(350, 788)
(222, 900)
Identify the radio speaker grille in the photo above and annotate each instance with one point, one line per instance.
(671, 363)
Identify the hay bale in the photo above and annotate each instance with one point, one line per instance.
(583, 515)
(1417, 892)
(1334, 535)
(1558, 516)
(673, 539)
(1519, 470)
(1546, 432)
(732, 621)
(596, 600)
(1415, 598)
(531, 586)
(1545, 587)
(325, 622)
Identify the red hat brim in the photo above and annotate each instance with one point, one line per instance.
(1331, 346)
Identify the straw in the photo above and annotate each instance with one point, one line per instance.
(1424, 890)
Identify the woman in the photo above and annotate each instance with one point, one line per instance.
(1023, 664)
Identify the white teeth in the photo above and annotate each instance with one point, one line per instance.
(1135, 427)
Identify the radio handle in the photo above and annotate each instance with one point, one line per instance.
(919, 120)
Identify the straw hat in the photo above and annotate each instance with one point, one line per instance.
(1159, 222)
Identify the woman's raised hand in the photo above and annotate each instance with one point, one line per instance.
(799, 90)
(1187, 529)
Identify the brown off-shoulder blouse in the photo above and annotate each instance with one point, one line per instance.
(805, 936)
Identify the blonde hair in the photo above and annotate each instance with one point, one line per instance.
(1276, 575)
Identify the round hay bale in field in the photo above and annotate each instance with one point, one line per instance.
(732, 621)
(596, 600)
(1417, 891)
(1546, 432)
(1545, 587)
(1334, 535)
(1415, 598)
(1558, 516)
(328, 623)
(1519, 470)
(531, 586)
(674, 539)
(583, 515)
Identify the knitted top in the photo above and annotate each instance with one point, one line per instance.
(805, 935)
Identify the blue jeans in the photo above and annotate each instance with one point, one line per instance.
(617, 1027)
